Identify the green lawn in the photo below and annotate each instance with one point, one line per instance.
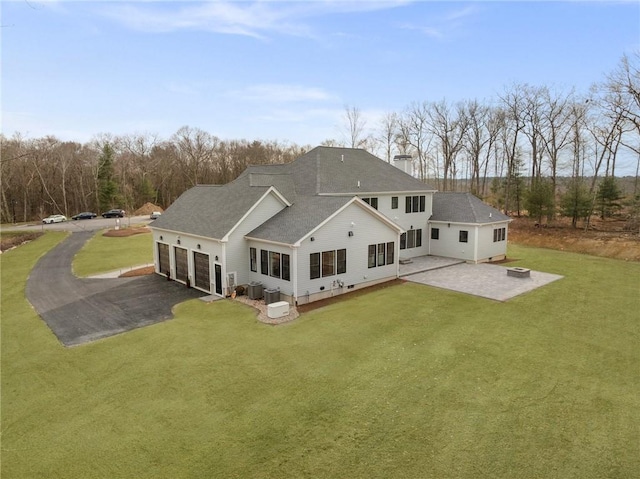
(406, 382)
(102, 254)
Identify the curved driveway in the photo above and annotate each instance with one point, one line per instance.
(79, 310)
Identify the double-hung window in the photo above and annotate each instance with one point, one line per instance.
(314, 265)
(411, 239)
(341, 260)
(272, 263)
(253, 259)
(381, 254)
(415, 204)
(264, 261)
(371, 201)
(327, 263)
(286, 270)
(275, 264)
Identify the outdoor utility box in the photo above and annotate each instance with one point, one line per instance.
(271, 296)
(255, 290)
(278, 310)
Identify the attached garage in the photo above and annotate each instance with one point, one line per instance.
(182, 264)
(164, 265)
(202, 273)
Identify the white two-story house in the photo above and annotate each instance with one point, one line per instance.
(330, 222)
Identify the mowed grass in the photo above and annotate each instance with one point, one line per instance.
(406, 382)
(102, 253)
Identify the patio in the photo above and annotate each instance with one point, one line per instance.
(489, 281)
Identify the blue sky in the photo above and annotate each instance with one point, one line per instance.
(286, 70)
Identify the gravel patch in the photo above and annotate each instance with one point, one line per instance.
(261, 307)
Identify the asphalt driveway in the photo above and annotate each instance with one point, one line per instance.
(79, 310)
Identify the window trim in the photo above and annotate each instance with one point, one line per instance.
(415, 204)
(264, 262)
(285, 267)
(314, 265)
(275, 262)
(381, 258)
(328, 264)
(253, 260)
(371, 201)
(390, 255)
(411, 239)
(341, 263)
(381, 254)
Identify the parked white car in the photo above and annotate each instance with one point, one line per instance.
(54, 219)
(155, 215)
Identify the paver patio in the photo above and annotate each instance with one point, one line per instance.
(486, 280)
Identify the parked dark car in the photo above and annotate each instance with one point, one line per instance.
(115, 213)
(85, 215)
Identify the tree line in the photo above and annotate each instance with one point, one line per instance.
(516, 151)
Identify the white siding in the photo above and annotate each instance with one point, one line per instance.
(334, 236)
(407, 220)
(190, 243)
(237, 249)
(269, 282)
(488, 250)
(449, 245)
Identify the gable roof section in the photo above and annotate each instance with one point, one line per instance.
(464, 208)
(212, 211)
(338, 171)
(306, 215)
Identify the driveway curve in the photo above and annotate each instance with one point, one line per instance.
(80, 310)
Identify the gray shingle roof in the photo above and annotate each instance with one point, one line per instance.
(293, 223)
(464, 208)
(328, 170)
(210, 210)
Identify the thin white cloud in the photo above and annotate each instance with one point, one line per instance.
(444, 25)
(257, 19)
(282, 93)
(461, 13)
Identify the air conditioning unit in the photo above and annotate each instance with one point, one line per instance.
(255, 290)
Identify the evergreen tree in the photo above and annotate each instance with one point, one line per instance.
(608, 196)
(539, 199)
(107, 187)
(576, 201)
